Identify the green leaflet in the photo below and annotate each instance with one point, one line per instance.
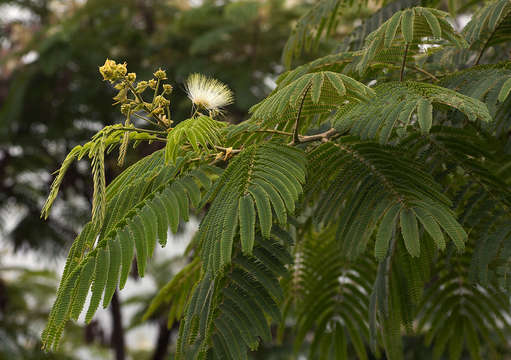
(407, 25)
(433, 22)
(229, 227)
(391, 28)
(114, 248)
(450, 226)
(410, 231)
(127, 251)
(247, 223)
(100, 276)
(504, 90)
(138, 233)
(385, 232)
(431, 226)
(425, 115)
(84, 282)
(263, 209)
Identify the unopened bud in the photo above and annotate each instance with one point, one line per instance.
(132, 77)
(160, 74)
(167, 89)
(141, 86)
(125, 109)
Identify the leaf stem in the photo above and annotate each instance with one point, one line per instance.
(139, 98)
(273, 132)
(433, 77)
(485, 46)
(230, 150)
(144, 118)
(296, 139)
(402, 75)
(156, 132)
(324, 136)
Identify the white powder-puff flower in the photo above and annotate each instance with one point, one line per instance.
(207, 93)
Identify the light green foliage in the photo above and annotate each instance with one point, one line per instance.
(272, 171)
(489, 84)
(395, 106)
(197, 132)
(233, 311)
(310, 95)
(105, 140)
(405, 30)
(390, 189)
(489, 26)
(351, 209)
(147, 188)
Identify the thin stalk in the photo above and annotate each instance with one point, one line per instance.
(156, 132)
(156, 90)
(324, 136)
(145, 119)
(402, 75)
(272, 131)
(296, 127)
(232, 151)
(484, 47)
(433, 77)
(137, 95)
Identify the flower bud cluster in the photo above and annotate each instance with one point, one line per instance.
(130, 93)
(112, 71)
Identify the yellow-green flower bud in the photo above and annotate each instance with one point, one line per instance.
(160, 74)
(108, 69)
(167, 89)
(157, 111)
(132, 77)
(160, 101)
(112, 71)
(141, 86)
(125, 108)
(152, 84)
(121, 70)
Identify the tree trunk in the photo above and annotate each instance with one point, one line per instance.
(162, 344)
(117, 339)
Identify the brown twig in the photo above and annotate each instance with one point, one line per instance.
(485, 46)
(229, 150)
(423, 71)
(296, 139)
(402, 75)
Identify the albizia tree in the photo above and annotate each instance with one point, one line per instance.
(366, 199)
